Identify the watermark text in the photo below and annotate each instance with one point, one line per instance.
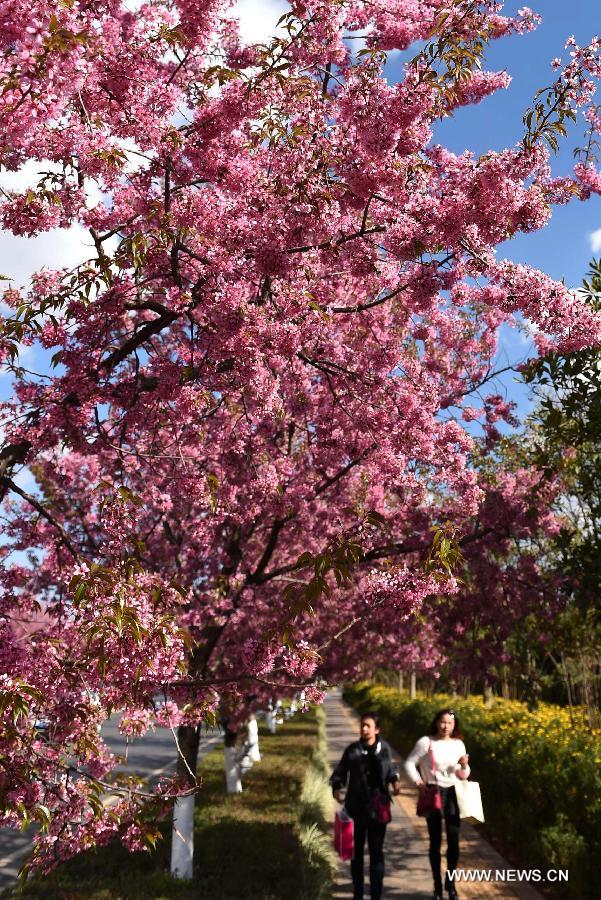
(509, 875)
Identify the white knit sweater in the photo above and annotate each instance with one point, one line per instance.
(446, 761)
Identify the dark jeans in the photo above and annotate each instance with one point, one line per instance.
(450, 812)
(375, 833)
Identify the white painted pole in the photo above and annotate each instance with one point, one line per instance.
(232, 771)
(182, 842)
(252, 730)
(270, 718)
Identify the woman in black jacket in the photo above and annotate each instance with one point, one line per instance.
(360, 781)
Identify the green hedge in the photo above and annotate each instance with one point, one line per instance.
(540, 775)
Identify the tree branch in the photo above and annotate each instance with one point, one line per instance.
(327, 245)
(10, 484)
(11, 455)
(328, 482)
(137, 339)
(361, 307)
(254, 577)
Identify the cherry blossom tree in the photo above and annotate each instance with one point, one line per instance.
(258, 387)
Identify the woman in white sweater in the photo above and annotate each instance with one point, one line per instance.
(440, 758)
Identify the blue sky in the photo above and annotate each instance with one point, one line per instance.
(564, 247)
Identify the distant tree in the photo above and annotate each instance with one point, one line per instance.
(565, 439)
(545, 575)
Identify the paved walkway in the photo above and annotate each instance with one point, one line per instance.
(407, 867)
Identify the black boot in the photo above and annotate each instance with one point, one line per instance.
(451, 890)
(437, 895)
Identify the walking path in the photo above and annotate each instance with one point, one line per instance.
(407, 867)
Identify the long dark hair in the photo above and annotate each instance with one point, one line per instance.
(456, 732)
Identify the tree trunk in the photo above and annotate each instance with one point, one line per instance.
(413, 686)
(569, 690)
(232, 763)
(401, 682)
(270, 718)
(182, 835)
(253, 740)
(584, 672)
(488, 695)
(250, 751)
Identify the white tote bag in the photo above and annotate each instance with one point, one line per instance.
(469, 801)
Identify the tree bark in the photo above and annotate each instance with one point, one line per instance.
(253, 740)
(488, 694)
(232, 767)
(270, 717)
(182, 835)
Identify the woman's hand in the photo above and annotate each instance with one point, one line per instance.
(396, 788)
(463, 760)
(340, 795)
(420, 784)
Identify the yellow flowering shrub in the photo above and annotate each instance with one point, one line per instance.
(538, 770)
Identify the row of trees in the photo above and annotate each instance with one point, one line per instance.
(562, 438)
(566, 437)
(252, 463)
(556, 653)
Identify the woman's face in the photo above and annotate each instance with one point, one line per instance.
(445, 725)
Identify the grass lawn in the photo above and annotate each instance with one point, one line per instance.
(246, 845)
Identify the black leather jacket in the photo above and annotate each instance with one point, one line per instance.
(362, 770)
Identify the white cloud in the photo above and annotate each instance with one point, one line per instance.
(258, 18)
(135, 159)
(20, 256)
(595, 240)
(60, 248)
(356, 39)
(26, 481)
(31, 173)
(28, 175)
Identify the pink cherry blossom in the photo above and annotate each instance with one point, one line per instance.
(255, 415)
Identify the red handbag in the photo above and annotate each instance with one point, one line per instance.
(429, 799)
(380, 807)
(344, 834)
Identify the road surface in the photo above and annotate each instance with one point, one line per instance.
(151, 757)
